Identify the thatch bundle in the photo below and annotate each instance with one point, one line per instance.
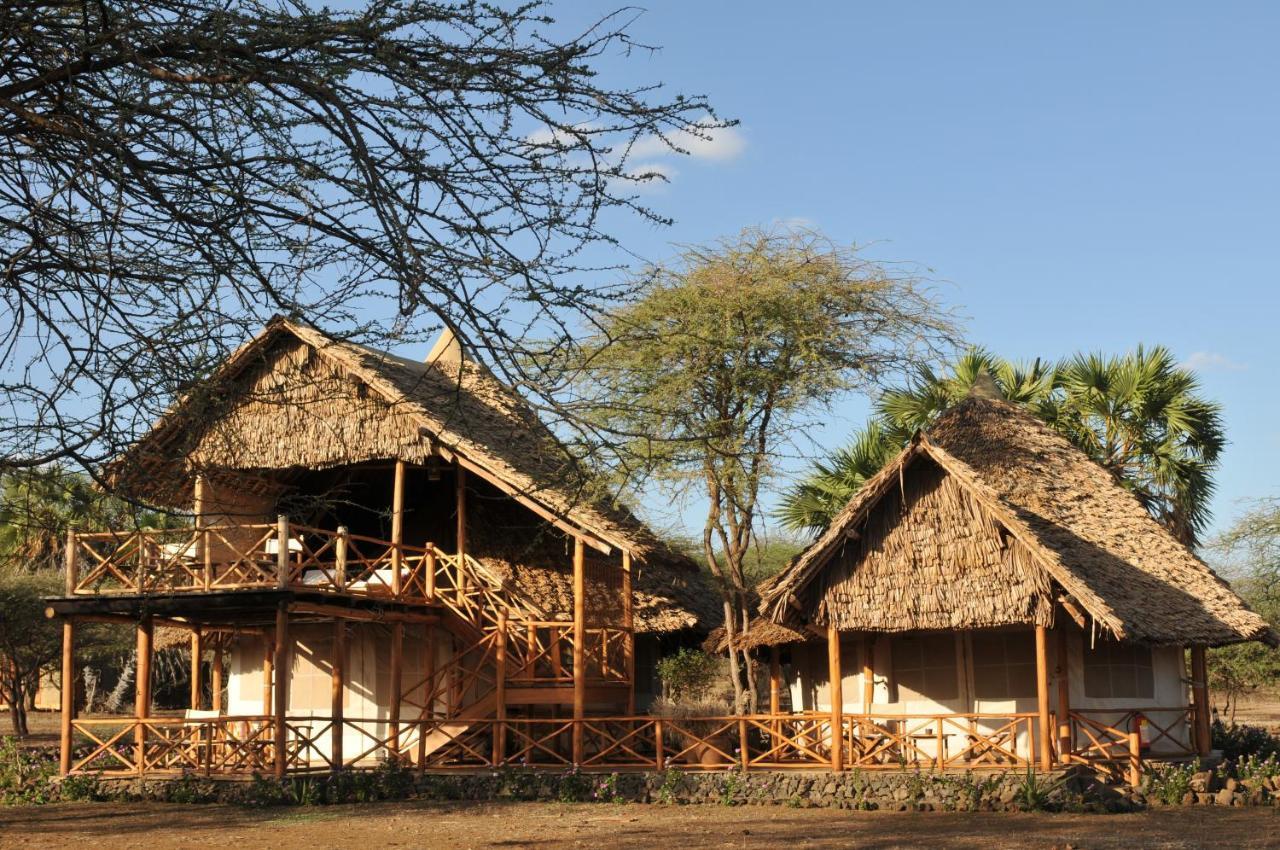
(991, 517)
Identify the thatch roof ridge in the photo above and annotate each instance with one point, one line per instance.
(1137, 583)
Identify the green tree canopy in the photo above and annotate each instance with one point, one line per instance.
(727, 350)
(1139, 414)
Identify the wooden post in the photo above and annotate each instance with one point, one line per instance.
(1135, 749)
(659, 757)
(218, 671)
(340, 546)
(199, 507)
(460, 497)
(397, 686)
(428, 698)
(775, 680)
(629, 625)
(744, 750)
(868, 673)
(282, 555)
(1042, 695)
(336, 693)
(68, 694)
(500, 690)
(280, 749)
(268, 671)
(71, 562)
(1200, 696)
(430, 577)
(197, 683)
(837, 698)
(397, 528)
(579, 647)
(1064, 697)
(142, 689)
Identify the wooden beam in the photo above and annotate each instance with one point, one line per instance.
(68, 695)
(197, 683)
(629, 624)
(836, 689)
(1042, 697)
(397, 687)
(337, 690)
(280, 740)
(556, 695)
(579, 647)
(428, 695)
(142, 688)
(268, 672)
(71, 563)
(1200, 704)
(397, 527)
(1064, 695)
(460, 508)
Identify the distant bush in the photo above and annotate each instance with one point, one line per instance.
(1239, 742)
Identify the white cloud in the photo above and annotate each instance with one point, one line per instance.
(1211, 361)
(717, 144)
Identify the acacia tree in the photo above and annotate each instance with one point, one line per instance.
(725, 353)
(1139, 415)
(1252, 548)
(172, 172)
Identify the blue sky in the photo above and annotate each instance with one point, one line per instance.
(1085, 178)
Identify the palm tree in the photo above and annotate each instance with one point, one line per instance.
(1139, 415)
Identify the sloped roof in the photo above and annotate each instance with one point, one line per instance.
(456, 407)
(1102, 554)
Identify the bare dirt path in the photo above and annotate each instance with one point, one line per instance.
(623, 827)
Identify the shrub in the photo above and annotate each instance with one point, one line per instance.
(1239, 741)
(1169, 783)
(693, 676)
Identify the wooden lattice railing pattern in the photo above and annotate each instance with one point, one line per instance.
(226, 746)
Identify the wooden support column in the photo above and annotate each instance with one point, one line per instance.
(836, 689)
(268, 671)
(337, 691)
(579, 647)
(70, 579)
(500, 690)
(775, 680)
(341, 546)
(1135, 750)
(68, 694)
(397, 686)
(280, 750)
(282, 551)
(629, 624)
(197, 682)
(218, 677)
(460, 498)
(1042, 696)
(200, 507)
(429, 695)
(868, 673)
(1064, 696)
(1200, 698)
(397, 528)
(142, 688)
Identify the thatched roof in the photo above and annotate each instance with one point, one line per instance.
(762, 632)
(294, 397)
(992, 518)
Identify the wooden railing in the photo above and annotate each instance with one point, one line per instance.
(243, 745)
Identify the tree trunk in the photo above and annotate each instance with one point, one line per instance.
(734, 673)
(752, 691)
(17, 704)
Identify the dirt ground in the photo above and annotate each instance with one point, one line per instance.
(549, 826)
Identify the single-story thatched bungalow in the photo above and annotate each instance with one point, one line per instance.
(994, 594)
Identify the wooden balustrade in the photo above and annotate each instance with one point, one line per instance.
(243, 745)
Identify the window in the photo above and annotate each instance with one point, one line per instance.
(1004, 665)
(1118, 671)
(924, 667)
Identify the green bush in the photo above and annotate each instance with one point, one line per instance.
(1169, 783)
(1239, 741)
(691, 675)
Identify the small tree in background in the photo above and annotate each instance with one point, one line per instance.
(1253, 541)
(727, 351)
(29, 642)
